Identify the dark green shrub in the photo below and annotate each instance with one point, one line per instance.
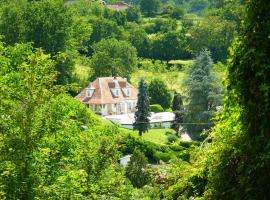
(184, 155)
(172, 138)
(176, 147)
(136, 170)
(189, 144)
(156, 108)
(165, 157)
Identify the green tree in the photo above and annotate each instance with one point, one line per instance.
(213, 33)
(170, 46)
(150, 7)
(178, 110)
(159, 93)
(48, 24)
(177, 102)
(136, 170)
(26, 82)
(113, 58)
(140, 40)
(133, 14)
(179, 118)
(203, 93)
(142, 122)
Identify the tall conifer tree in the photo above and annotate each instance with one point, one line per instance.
(204, 94)
(142, 122)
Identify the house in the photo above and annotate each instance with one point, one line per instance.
(157, 120)
(109, 96)
(119, 6)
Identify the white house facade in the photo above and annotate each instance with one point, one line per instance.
(110, 96)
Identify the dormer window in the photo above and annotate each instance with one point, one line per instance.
(117, 93)
(126, 91)
(89, 92)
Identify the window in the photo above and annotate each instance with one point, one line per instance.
(128, 92)
(89, 92)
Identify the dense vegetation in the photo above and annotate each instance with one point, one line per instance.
(53, 147)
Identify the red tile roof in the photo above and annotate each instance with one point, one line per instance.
(102, 93)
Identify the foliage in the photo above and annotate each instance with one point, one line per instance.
(170, 46)
(149, 7)
(213, 33)
(136, 170)
(156, 108)
(234, 165)
(159, 93)
(155, 150)
(172, 138)
(142, 122)
(177, 102)
(140, 40)
(179, 119)
(228, 10)
(113, 58)
(152, 69)
(52, 146)
(204, 94)
(133, 14)
(49, 24)
(160, 25)
(103, 29)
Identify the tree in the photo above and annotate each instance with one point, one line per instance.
(142, 122)
(136, 170)
(159, 93)
(140, 40)
(133, 14)
(150, 7)
(177, 102)
(26, 81)
(178, 110)
(203, 93)
(213, 33)
(48, 24)
(179, 118)
(177, 13)
(113, 58)
(170, 46)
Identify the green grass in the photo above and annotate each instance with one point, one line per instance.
(82, 74)
(181, 62)
(157, 136)
(172, 78)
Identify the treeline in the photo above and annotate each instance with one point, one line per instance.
(71, 32)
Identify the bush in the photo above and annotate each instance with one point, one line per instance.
(189, 144)
(136, 170)
(184, 155)
(172, 138)
(165, 157)
(176, 148)
(156, 108)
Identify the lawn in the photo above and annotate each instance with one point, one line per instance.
(157, 136)
(172, 78)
